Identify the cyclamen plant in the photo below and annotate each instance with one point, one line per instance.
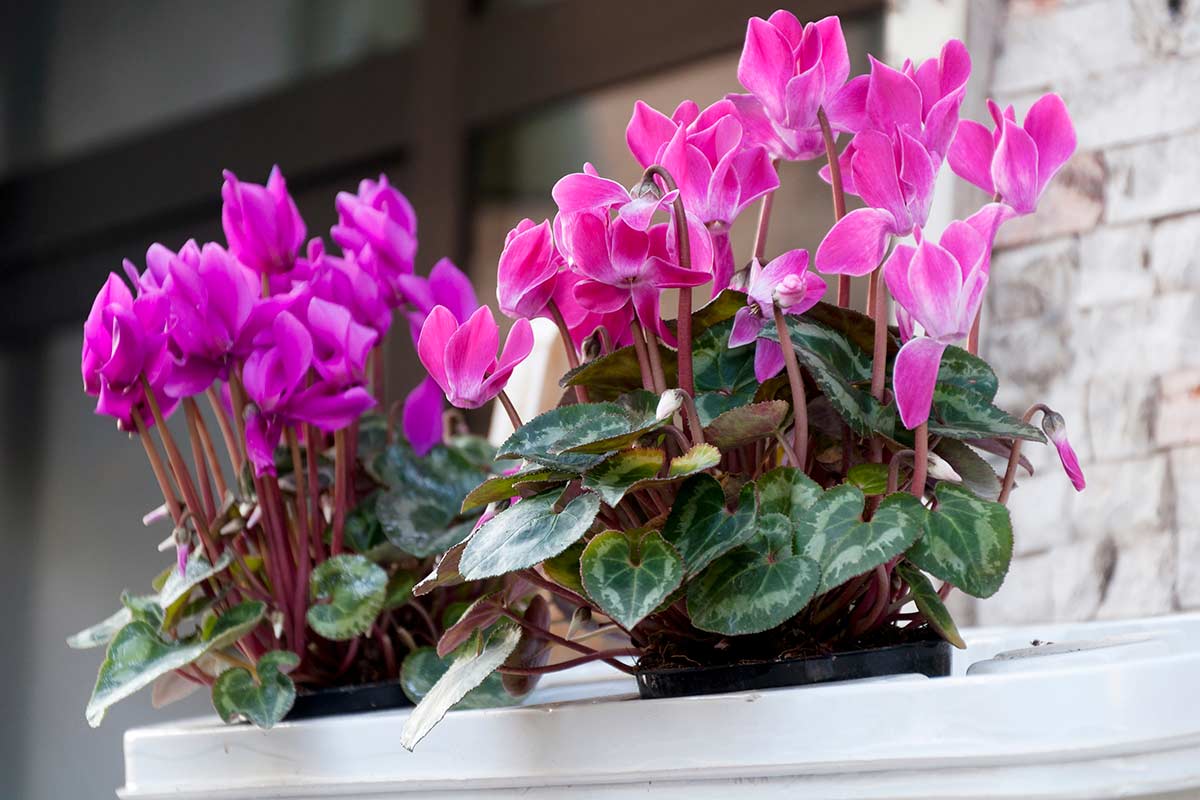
(768, 476)
(297, 554)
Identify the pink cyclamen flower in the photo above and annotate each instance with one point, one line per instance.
(276, 378)
(791, 71)
(262, 224)
(461, 358)
(940, 287)
(379, 226)
(1015, 161)
(124, 341)
(1056, 428)
(718, 169)
(342, 280)
(582, 322)
(528, 270)
(422, 417)
(785, 282)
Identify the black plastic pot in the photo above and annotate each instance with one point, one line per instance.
(930, 658)
(348, 700)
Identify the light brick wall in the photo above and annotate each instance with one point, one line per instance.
(1094, 309)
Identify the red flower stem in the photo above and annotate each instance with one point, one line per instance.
(683, 318)
(301, 484)
(893, 479)
(231, 445)
(210, 508)
(389, 652)
(568, 344)
(534, 577)
(348, 659)
(340, 470)
(160, 472)
(973, 336)
(693, 421)
(304, 554)
(423, 613)
(277, 550)
(764, 221)
(542, 633)
(316, 519)
(879, 356)
(378, 377)
(210, 452)
(788, 449)
(510, 409)
(643, 357)
(599, 655)
(799, 400)
(1014, 457)
(656, 365)
(238, 396)
(920, 460)
(839, 195)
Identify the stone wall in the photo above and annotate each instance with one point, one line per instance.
(1094, 309)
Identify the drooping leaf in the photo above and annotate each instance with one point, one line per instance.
(143, 608)
(195, 572)
(700, 528)
(833, 534)
(423, 668)
(533, 650)
(445, 571)
(964, 414)
(870, 478)
(968, 541)
(102, 632)
(630, 576)
(755, 587)
(930, 604)
(545, 438)
(264, 700)
(787, 491)
(608, 377)
(137, 655)
(857, 328)
(479, 614)
(717, 310)
(470, 668)
(355, 589)
(746, 424)
(608, 482)
(527, 533)
(503, 487)
(641, 411)
(563, 568)
(976, 473)
(614, 477)
(965, 371)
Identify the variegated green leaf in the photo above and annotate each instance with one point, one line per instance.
(613, 478)
(700, 527)
(833, 534)
(197, 570)
(423, 668)
(960, 368)
(787, 491)
(355, 590)
(871, 478)
(755, 587)
(263, 699)
(963, 414)
(641, 411)
(399, 590)
(102, 632)
(546, 438)
(469, 669)
(443, 476)
(930, 604)
(608, 377)
(527, 533)
(417, 521)
(720, 368)
(503, 487)
(976, 473)
(563, 568)
(968, 541)
(746, 424)
(719, 309)
(630, 576)
(138, 655)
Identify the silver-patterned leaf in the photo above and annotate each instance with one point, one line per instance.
(968, 541)
(526, 533)
(355, 589)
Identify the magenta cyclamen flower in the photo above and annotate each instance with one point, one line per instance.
(262, 224)
(785, 282)
(1056, 428)
(1015, 162)
(528, 270)
(277, 380)
(581, 322)
(792, 70)
(461, 358)
(344, 281)
(719, 171)
(379, 226)
(125, 340)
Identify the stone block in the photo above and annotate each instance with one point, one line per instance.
(1177, 418)
(1175, 254)
(1143, 579)
(1120, 416)
(1152, 179)
(1073, 203)
(1114, 266)
(1125, 501)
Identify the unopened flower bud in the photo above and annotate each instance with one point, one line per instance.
(940, 469)
(646, 188)
(790, 291)
(1056, 428)
(670, 402)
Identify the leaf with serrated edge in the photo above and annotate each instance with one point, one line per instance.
(422, 668)
(445, 571)
(263, 701)
(527, 533)
(102, 632)
(755, 587)
(503, 487)
(641, 408)
(137, 655)
(614, 477)
(745, 424)
(833, 534)
(968, 541)
(468, 671)
(872, 479)
(197, 571)
(544, 438)
(617, 373)
(416, 521)
(700, 528)
(628, 580)
(960, 368)
(963, 414)
(356, 589)
(930, 604)
(700, 458)
(976, 473)
(787, 491)
(563, 568)
(481, 613)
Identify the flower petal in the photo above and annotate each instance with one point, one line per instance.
(914, 379)
(766, 65)
(439, 326)
(1015, 169)
(470, 356)
(856, 243)
(936, 281)
(876, 177)
(1049, 126)
(746, 327)
(768, 360)
(580, 191)
(422, 420)
(648, 130)
(971, 155)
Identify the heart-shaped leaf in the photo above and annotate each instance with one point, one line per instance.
(755, 587)
(833, 534)
(964, 414)
(930, 604)
(470, 668)
(443, 476)
(265, 700)
(504, 487)
(526, 533)
(968, 541)
(102, 632)
(196, 571)
(641, 410)
(629, 577)
(976, 473)
(960, 368)
(417, 521)
(870, 478)
(699, 526)
(546, 438)
(746, 424)
(137, 655)
(787, 491)
(721, 369)
(356, 590)
(640, 467)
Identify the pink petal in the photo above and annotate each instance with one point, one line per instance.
(470, 355)
(987, 221)
(876, 178)
(450, 287)
(835, 59)
(647, 132)
(768, 360)
(602, 298)
(914, 379)
(756, 125)
(917, 174)
(746, 327)
(935, 280)
(331, 410)
(1056, 428)
(971, 155)
(628, 249)
(582, 192)
(1015, 169)
(423, 416)
(847, 110)
(516, 349)
(967, 246)
(1049, 125)
(766, 65)
(895, 274)
(856, 243)
(439, 326)
(724, 265)
(893, 99)
(787, 24)
(803, 97)
(664, 275)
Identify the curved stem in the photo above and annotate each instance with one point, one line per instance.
(693, 420)
(235, 452)
(683, 246)
(568, 344)
(201, 464)
(559, 640)
(510, 409)
(160, 471)
(973, 336)
(655, 358)
(893, 480)
(799, 400)
(599, 655)
(839, 195)
(1014, 457)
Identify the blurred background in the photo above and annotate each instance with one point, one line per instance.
(117, 117)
